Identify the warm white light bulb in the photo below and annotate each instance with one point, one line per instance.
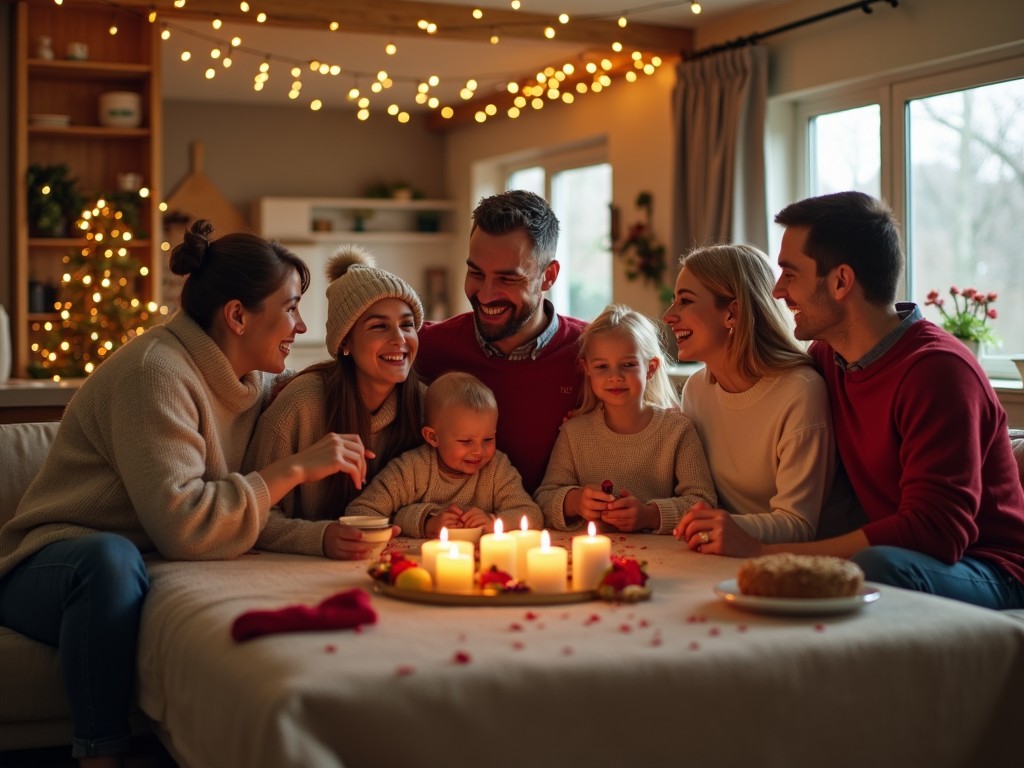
(695, 7)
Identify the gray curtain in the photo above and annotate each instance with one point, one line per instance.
(719, 113)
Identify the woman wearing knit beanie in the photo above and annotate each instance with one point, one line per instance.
(368, 393)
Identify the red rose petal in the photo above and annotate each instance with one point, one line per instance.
(644, 623)
(819, 627)
(591, 619)
(625, 628)
(518, 646)
(741, 628)
(515, 627)
(404, 670)
(530, 616)
(461, 657)
(330, 648)
(714, 632)
(694, 646)
(656, 641)
(567, 651)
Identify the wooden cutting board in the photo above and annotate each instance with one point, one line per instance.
(199, 198)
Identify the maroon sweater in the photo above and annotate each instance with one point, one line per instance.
(533, 396)
(924, 441)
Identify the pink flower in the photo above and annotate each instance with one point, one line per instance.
(932, 296)
(969, 293)
(992, 297)
(992, 314)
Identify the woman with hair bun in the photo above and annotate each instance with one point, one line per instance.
(147, 460)
(368, 391)
(760, 407)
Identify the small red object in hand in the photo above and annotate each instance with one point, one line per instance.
(607, 487)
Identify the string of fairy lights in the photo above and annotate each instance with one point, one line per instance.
(586, 73)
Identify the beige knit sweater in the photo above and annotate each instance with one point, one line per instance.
(662, 464)
(412, 487)
(149, 448)
(297, 419)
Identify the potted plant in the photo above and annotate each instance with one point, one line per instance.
(968, 317)
(54, 200)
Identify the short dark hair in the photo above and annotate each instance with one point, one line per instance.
(236, 266)
(855, 229)
(519, 209)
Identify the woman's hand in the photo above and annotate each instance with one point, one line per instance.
(335, 453)
(587, 501)
(448, 518)
(713, 531)
(343, 542)
(627, 513)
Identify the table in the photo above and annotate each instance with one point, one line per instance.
(683, 679)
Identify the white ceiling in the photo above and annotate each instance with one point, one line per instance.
(362, 56)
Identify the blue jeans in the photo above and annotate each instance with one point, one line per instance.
(84, 596)
(971, 580)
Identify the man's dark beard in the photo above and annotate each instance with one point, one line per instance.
(510, 327)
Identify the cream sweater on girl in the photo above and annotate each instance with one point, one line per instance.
(150, 448)
(662, 464)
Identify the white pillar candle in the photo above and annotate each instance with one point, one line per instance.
(454, 571)
(591, 558)
(525, 540)
(498, 549)
(430, 549)
(546, 567)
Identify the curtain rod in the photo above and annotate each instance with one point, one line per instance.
(864, 5)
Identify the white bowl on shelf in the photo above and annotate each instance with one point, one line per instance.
(41, 120)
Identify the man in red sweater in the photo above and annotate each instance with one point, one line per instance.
(513, 340)
(920, 431)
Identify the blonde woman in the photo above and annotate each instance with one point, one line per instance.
(760, 408)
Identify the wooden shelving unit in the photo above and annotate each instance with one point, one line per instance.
(95, 154)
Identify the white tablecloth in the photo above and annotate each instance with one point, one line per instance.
(683, 679)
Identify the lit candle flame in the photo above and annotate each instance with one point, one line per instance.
(524, 525)
(499, 527)
(444, 535)
(592, 529)
(545, 540)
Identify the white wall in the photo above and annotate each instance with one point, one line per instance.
(255, 151)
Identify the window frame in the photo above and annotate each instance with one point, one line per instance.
(892, 93)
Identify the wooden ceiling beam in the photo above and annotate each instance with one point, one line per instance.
(454, 22)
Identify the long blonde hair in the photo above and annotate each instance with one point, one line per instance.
(618, 318)
(761, 342)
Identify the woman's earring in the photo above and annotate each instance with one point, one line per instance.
(344, 352)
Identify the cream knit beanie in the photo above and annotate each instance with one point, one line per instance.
(355, 285)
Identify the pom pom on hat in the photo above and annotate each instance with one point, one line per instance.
(355, 285)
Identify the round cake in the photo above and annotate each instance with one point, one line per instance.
(788, 575)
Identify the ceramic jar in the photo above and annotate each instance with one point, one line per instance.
(120, 109)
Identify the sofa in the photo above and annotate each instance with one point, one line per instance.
(33, 707)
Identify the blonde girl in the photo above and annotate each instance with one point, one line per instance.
(627, 433)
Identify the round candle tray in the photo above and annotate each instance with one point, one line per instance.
(480, 597)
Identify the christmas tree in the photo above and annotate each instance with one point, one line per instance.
(98, 303)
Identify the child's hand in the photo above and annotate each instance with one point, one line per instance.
(587, 501)
(448, 518)
(627, 513)
(474, 517)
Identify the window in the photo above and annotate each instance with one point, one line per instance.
(580, 196)
(945, 149)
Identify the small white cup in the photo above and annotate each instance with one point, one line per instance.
(376, 530)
